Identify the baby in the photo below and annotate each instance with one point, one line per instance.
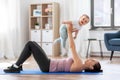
(77, 25)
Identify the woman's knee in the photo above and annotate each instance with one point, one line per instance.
(29, 43)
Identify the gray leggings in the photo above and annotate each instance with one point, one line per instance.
(63, 35)
(38, 53)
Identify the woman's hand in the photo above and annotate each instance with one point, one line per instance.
(69, 28)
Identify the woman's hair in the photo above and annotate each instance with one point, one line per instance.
(96, 68)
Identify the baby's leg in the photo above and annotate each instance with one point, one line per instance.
(63, 47)
(62, 32)
(63, 36)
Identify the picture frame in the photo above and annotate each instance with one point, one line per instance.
(37, 12)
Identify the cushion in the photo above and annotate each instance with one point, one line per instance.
(114, 41)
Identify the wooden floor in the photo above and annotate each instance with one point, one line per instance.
(111, 71)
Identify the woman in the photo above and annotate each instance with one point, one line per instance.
(73, 64)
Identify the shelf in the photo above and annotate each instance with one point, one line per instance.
(41, 16)
(49, 26)
(36, 4)
(40, 29)
(35, 29)
(46, 42)
(46, 29)
(46, 3)
(36, 16)
(47, 16)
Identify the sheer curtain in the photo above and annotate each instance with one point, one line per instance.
(9, 29)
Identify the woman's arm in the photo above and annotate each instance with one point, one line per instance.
(71, 43)
(77, 62)
(76, 33)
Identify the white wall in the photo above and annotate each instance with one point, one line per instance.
(99, 35)
(64, 11)
(24, 15)
(69, 9)
(95, 47)
(64, 8)
(24, 20)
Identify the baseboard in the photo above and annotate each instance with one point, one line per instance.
(105, 54)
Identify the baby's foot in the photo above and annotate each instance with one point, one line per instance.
(64, 52)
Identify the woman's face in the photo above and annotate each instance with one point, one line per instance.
(89, 63)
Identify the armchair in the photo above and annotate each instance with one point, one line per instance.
(112, 42)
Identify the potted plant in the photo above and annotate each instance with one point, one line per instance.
(37, 26)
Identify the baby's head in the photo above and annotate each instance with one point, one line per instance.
(84, 19)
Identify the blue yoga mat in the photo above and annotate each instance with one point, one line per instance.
(38, 72)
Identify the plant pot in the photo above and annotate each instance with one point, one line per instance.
(37, 27)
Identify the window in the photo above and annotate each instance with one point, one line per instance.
(117, 12)
(105, 13)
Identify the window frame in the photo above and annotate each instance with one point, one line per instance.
(112, 26)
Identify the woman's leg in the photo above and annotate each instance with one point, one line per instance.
(39, 55)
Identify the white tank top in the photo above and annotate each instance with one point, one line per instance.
(76, 24)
